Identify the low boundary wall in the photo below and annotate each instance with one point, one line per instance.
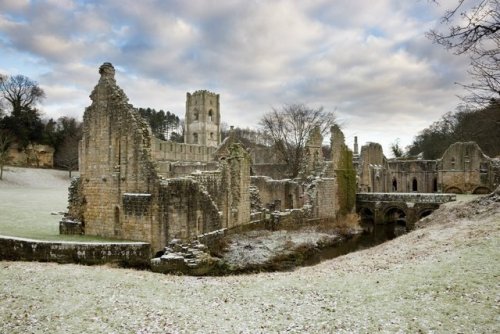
(131, 254)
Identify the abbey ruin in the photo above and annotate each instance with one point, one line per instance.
(134, 186)
(137, 187)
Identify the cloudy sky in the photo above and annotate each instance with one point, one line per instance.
(367, 60)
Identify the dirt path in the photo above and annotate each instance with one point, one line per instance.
(441, 278)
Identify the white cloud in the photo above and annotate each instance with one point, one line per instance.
(369, 59)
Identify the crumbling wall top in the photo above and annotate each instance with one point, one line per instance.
(106, 70)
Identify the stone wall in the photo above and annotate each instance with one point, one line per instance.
(174, 169)
(406, 197)
(372, 169)
(129, 254)
(278, 194)
(413, 176)
(464, 168)
(274, 171)
(119, 181)
(342, 166)
(187, 210)
(324, 199)
(172, 151)
(129, 186)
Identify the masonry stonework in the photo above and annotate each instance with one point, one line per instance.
(463, 168)
(134, 186)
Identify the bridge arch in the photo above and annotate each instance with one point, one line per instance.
(395, 214)
(481, 190)
(424, 213)
(366, 214)
(453, 190)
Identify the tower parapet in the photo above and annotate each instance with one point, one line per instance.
(202, 121)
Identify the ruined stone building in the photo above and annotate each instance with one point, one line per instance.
(463, 168)
(137, 187)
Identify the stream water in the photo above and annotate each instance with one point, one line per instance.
(372, 235)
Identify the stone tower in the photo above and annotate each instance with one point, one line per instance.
(202, 121)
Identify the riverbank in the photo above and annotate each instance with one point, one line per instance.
(440, 278)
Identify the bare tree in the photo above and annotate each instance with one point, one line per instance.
(5, 142)
(19, 96)
(67, 154)
(20, 92)
(288, 129)
(69, 133)
(474, 30)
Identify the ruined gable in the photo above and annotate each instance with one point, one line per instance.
(119, 182)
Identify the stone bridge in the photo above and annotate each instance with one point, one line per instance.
(402, 208)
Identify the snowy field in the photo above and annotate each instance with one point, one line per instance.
(441, 278)
(31, 201)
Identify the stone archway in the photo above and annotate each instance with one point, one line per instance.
(481, 190)
(395, 214)
(424, 213)
(453, 190)
(367, 215)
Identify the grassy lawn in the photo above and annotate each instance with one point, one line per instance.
(439, 279)
(29, 202)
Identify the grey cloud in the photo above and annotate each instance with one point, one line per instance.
(368, 58)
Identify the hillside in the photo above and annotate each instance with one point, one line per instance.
(440, 278)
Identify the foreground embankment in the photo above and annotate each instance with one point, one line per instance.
(440, 278)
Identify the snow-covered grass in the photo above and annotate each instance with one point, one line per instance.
(30, 202)
(441, 278)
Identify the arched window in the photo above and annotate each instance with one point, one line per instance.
(211, 135)
(210, 115)
(435, 185)
(414, 185)
(196, 114)
(195, 138)
(394, 185)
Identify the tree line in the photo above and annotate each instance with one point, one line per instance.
(164, 125)
(479, 125)
(472, 29)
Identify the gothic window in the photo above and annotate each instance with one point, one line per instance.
(196, 115)
(414, 185)
(210, 115)
(195, 138)
(211, 135)
(483, 167)
(394, 185)
(435, 185)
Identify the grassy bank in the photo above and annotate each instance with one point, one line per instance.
(440, 278)
(31, 201)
